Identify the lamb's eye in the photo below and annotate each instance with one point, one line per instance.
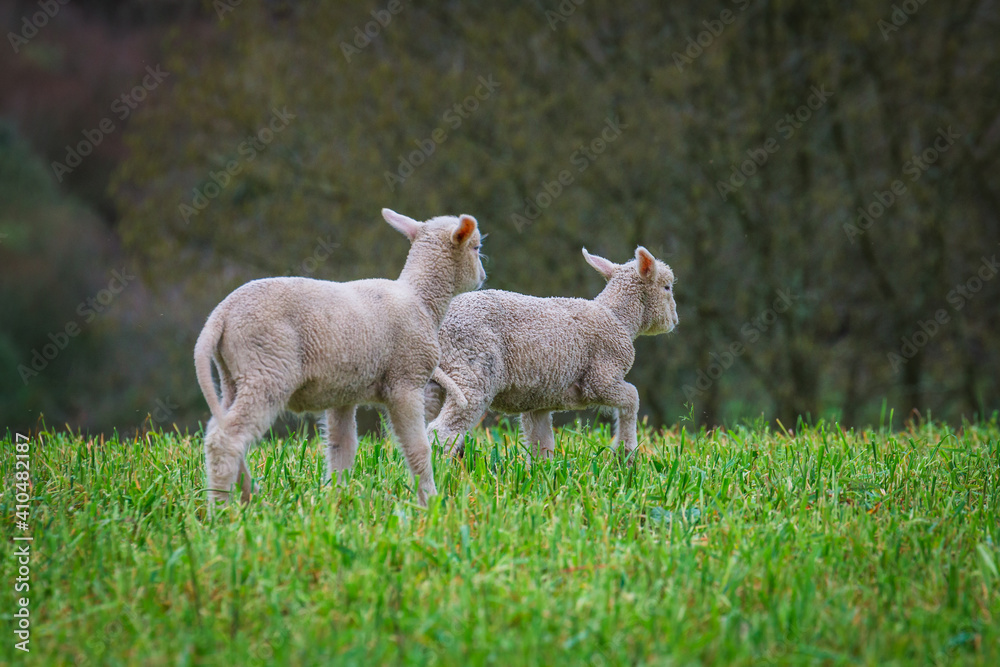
(667, 287)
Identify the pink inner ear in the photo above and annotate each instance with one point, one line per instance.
(466, 226)
(646, 264)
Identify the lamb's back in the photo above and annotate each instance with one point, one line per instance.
(545, 347)
(324, 336)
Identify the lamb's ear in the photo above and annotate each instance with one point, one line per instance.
(646, 264)
(466, 228)
(603, 266)
(408, 226)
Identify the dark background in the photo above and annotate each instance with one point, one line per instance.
(790, 302)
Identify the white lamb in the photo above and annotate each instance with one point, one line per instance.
(514, 353)
(314, 345)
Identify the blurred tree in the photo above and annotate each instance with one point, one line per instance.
(49, 339)
(736, 142)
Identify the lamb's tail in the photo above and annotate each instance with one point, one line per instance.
(449, 387)
(204, 352)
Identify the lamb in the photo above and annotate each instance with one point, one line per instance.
(313, 345)
(514, 353)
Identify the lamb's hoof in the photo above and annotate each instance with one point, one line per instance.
(248, 489)
(246, 496)
(627, 456)
(217, 501)
(423, 494)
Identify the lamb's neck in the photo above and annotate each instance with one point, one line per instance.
(625, 305)
(435, 291)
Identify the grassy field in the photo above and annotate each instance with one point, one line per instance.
(745, 546)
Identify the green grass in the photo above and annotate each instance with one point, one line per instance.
(744, 546)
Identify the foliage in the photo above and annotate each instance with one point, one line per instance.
(716, 547)
(49, 246)
(82, 340)
(823, 107)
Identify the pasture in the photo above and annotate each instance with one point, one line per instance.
(743, 546)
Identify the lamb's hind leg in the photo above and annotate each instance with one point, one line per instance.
(341, 440)
(451, 424)
(228, 386)
(434, 396)
(226, 383)
(406, 412)
(537, 430)
(226, 443)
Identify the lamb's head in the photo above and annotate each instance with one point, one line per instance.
(444, 248)
(641, 290)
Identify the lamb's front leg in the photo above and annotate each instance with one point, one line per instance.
(341, 440)
(406, 412)
(624, 398)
